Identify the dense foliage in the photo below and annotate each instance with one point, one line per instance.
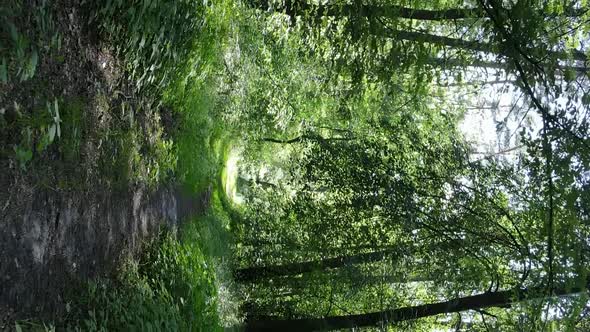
(353, 193)
(366, 199)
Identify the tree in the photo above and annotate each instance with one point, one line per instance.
(256, 273)
(474, 302)
(300, 8)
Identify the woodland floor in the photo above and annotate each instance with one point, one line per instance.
(71, 214)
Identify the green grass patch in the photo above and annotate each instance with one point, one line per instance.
(173, 52)
(171, 288)
(212, 232)
(153, 37)
(197, 164)
(72, 126)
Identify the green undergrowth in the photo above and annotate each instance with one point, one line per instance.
(173, 52)
(23, 45)
(182, 282)
(195, 98)
(212, 232)
(198, 136)
(154, 37)
(171, 288)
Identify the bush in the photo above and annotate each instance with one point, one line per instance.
(155, 37)
(170, 289)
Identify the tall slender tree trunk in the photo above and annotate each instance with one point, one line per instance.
(451, 63)
(477, 83)
(474, 302)
(298, 7)
(462, 44)
(295, 8)
(256, 273)
(299, 139)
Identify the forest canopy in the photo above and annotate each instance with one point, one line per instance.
(416, 165)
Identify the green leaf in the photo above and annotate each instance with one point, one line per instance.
(570, 75)
(33, 63)
(13, 31)
(56, 117)
(51, 133)
(23, 156)
(4, 71)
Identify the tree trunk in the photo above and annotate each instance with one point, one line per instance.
(476, 46)
(295, 8)
(298, 139)
(373, 319)
(451, 63)
(256, 273)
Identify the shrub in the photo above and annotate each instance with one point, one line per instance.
(154, 37)
(170, 289)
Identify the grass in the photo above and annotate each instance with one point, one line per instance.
(72, 126)
(152, 36)
(28, 36)
(194, 96)
(170, 289)
(211, 232)
(43, 127)
(173, 54)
